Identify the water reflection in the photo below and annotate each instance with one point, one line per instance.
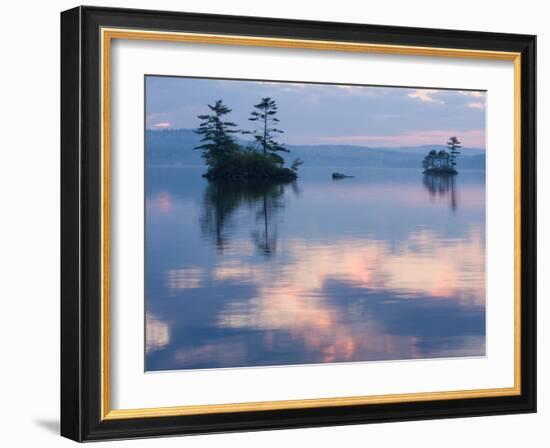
(333, 272)
(442, 187)
(263, 200)
(157, 333)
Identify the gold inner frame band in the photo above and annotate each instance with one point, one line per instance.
(107, 35)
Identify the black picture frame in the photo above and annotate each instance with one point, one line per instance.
(81, 224)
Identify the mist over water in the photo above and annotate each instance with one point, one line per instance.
(388, 265)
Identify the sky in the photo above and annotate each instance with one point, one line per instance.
(326, 113)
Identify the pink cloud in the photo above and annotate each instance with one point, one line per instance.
(474, 94)
(472, 137)
(476, 105)
(164, 124)
(425, 95)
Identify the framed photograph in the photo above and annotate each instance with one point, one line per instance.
(274, 223)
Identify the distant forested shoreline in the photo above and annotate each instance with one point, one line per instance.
(175, 147)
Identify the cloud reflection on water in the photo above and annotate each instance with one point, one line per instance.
(295, 300)
(272, 281)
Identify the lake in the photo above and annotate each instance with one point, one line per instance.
(388, 265)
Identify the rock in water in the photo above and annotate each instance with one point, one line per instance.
(340, 176)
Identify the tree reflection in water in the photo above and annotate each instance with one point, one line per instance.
(443, 187)
(222, 200)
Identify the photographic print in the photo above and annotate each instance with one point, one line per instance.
(300, 223)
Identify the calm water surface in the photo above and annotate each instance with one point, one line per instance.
(389, 265)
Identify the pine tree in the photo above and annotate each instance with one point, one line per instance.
(453, 145)
(427, 162)
(444, 159)
(216, 134)
(265, 119)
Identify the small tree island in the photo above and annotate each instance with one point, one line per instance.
(259, 160)
(442, 162)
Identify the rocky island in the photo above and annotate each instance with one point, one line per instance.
(259, 160)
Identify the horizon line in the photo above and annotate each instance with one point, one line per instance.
(482, 148)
